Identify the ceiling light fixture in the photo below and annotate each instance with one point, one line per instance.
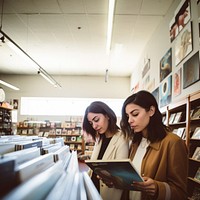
(110, 25)
(47, 77)
(106, 76)
(9, 85)
(18, 50)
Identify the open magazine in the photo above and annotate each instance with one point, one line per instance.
(121, 172)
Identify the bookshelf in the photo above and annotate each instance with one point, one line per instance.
(5, 121)
(189, 122)
(70, 131)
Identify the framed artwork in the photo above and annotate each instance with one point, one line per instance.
(177, 82)
(15, 104)
(191, 70)
(156, 94)
(146, 68)
(166, 65)
(165, 91)
(181, 17)
(183, 43)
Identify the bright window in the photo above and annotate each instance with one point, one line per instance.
(63, 106)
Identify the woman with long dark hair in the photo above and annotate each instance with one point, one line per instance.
(100, 122)
(159, 155)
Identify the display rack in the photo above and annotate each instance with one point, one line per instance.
(5, 121)
(183, 117)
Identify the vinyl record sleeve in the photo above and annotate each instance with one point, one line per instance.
(121, 172)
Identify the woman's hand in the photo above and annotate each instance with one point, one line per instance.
(106, 181)
(148, 186)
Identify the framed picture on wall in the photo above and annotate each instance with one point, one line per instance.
(166, 64)
(146, 68)
(191, 70)
(177, 82)
(156, 94)
(181, 17)
(183, 43)
(15, 104)
(165, 91)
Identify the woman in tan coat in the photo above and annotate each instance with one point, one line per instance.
(159, 155)
(100, 122)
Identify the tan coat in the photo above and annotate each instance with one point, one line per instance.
(118, 148)
(167, 163)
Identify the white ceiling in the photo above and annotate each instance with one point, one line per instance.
(48, 31)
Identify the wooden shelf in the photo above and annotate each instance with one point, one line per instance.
(185, 105)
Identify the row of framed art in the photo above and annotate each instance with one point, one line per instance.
(185, 72)
(191, 74)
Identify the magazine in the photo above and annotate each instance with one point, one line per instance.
(121, 172)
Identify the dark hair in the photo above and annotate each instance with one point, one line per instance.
(99, 107)
(156, 129)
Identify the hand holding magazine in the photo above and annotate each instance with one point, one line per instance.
(121, 172)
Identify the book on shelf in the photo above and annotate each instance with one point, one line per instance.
(196, 134)
(164, 119)
(121, 172)
(58, 131)
(196, 154)
(46, 134)
(196, 113)
(175, 130)
(172, 117)
(177, 118)
(180, 132)
(197, 175)
(196, 194)
(40, 134)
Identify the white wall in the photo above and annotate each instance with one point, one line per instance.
(72, 87)
(159, 44)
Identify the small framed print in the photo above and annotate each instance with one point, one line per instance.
(166, 64)
(165, 91)
(191, 70)
(183, 44)
(15, 104)
(177, 82)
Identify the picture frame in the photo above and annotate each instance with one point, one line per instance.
(146, 68)
(182, 15)
(191, 70)
(177, 82)
(15, 104)
(165, 91)
(166, 64)
(155, 93)
(183, 43)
